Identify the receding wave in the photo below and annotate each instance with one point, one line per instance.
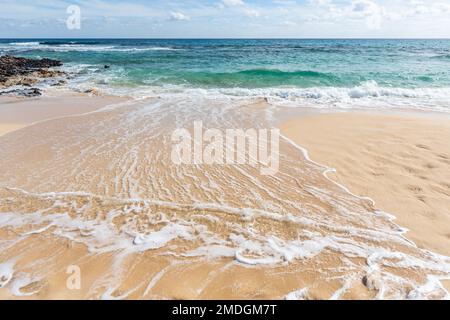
(368, 94)
(442, 57)
(275, 72)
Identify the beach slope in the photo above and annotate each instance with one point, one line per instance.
(400, 161)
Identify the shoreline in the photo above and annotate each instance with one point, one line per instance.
(81, 167)
(24, 103)
(342, 147)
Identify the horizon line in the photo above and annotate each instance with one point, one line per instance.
(219, 38)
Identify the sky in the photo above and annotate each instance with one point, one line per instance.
(225, 19)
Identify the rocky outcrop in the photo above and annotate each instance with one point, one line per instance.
(25, 92)
(15, 71)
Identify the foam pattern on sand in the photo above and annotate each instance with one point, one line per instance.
(104, 180)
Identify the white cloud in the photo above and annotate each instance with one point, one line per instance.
(287, 23)
(363, 10)
(252, 13)
(372, 12)
(179, 16)
(423, 9)
(240, 7)
(233, 3)
(364, 6)
(231, 18)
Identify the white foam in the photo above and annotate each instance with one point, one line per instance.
(301, 294)
(341, 291)
(247, 245)
(6, 273)
(368, 95)
(431, 286)
(24, 43)
(20, 281)
(212, 252)
(160, 238)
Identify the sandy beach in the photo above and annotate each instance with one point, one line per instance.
(402, 162)
(16, 112)
(99, 191)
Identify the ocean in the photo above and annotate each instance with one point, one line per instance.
(411, 74)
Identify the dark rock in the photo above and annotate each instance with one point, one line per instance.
(59, 83)
(26, 92)
(18, 67)
(92, 91)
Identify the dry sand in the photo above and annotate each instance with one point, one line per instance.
(16, 112)
(400, 161)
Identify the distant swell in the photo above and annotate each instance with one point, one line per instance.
(442, 57)
(56, 43)
(77, 46)
(279, 73)
(255, 78)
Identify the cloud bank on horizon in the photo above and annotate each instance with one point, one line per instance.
(228, 18)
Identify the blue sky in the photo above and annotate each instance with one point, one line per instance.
(228, 18)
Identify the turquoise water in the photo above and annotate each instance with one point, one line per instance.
(321, 70)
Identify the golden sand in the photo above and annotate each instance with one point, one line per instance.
(402, 162)
(16, 113)
(8, 127)
(99, 191)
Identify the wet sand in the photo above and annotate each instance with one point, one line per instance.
(99, 191)
(17, 112)
(400, 161)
